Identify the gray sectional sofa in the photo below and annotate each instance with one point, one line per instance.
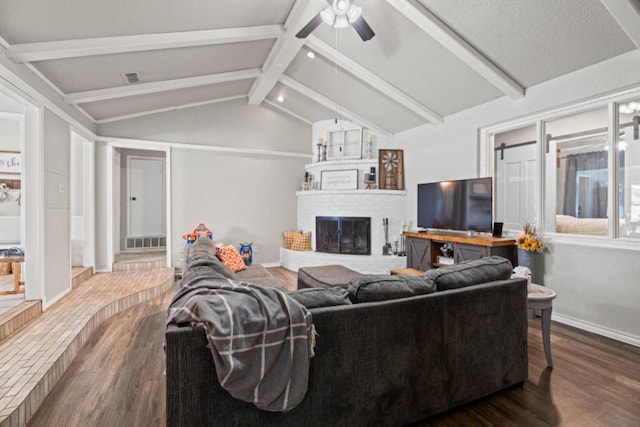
(378, 361)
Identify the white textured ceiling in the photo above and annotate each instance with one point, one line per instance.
(429, 58)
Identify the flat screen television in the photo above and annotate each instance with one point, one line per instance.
(463, 205)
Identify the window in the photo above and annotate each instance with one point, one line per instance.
(577, 173)
(629, 168)
(573, 171)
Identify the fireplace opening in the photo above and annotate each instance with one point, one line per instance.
(343, 235)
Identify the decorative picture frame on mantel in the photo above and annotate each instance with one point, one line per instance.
(344, 144)
(345, 179)
(390, 169)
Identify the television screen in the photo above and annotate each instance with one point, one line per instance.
(463, 205)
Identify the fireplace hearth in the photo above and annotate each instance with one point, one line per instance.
(343, 235)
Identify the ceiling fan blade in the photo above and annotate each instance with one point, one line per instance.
(363, 29)
(311, 25)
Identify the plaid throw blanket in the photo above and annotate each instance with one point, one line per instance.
(261, 340)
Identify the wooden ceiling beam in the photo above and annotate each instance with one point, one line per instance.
(46, 51)
(438, 30)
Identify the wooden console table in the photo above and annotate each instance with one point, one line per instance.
(15, 267)
(423, 249)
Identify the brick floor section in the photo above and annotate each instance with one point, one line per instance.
(34, 358)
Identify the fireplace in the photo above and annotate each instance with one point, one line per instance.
(343, 235)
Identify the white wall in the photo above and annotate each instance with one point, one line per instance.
(234, 166)
(57, 206)
(597, 286)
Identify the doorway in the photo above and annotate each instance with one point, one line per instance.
(143, 205)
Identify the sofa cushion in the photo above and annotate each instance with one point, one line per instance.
(259, 275)
(381, 287)
(469, 273)
(321, 297)
(230, 257)
(325, 276)
(203, 253)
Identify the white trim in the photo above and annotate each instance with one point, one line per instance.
(109, 213)
(285, 49)
(164, 110)
(271, 264)
(432, 25)
(168, 212)
(46, 51)
(162, 145)
(42, 77)
(328, 103)
(564, 109)
(48, 303)
(627, 13)
(33, 96)
(159, 86)
(360, 72)
(289, 112)
(596, 329)
(33, 191)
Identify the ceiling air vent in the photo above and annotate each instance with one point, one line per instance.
(132, 78)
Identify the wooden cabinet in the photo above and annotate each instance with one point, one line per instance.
(418, 254)
(423, 249)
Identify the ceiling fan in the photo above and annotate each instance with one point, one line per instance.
(339, 14)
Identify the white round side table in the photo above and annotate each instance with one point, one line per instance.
(541, 298)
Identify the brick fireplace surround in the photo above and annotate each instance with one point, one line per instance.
(376, 204)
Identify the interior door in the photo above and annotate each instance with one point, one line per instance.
(146, 197)
(516, 186)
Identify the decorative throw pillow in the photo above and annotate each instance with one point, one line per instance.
(382, 287)
(288, 238)
(321, 297)
(230, 257)
(301, 242)
(470, 273)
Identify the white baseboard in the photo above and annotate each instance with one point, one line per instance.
(599, 330)
(46, 304)
(271, 264)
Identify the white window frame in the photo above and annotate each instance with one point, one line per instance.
(486, 164)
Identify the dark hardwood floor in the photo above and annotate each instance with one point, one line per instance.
(117, 380)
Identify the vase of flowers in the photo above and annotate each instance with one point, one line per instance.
(530, 247)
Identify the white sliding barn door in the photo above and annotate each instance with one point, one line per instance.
(516, 196)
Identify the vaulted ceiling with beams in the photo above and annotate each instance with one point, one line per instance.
(428, 59)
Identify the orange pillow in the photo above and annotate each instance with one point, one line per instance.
(288, 238)
(230, 257)
(301, 242)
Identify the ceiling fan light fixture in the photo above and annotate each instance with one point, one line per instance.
(341, 22)
(328, 16)
(354, 13)
(341, 6)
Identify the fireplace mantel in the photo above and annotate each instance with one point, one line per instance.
(376, 204)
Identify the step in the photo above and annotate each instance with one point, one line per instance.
(80, 275)
(34, 358)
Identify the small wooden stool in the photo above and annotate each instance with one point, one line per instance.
(405, 271)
